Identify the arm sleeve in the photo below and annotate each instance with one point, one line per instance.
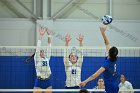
(130, 86)
(105, 65)
(49, 52)
(80, 59)
(66, 58)
(119, 86)
(37, 57)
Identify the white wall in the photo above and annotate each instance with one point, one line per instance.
(21, 32)
(90, 29)
(17, 32)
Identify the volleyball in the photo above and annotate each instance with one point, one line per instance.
(107, 19)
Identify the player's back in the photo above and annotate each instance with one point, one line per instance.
(110, 70)
(110, 76)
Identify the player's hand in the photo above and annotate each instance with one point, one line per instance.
(83, 83)
(48, 32)
(103, 28)
(67, 38)
(80, 39)
(42, 32)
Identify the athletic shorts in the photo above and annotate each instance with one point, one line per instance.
(42, 83)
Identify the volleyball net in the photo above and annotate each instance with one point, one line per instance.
(66, 90)
(17, 67)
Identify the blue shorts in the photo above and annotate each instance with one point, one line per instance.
(42, 83)
(111, 87)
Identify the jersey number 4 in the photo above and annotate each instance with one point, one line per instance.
(73, 71)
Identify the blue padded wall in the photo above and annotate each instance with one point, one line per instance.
(16, 74)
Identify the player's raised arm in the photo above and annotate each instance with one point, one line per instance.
(49, 36)
(37, 53)
(103, 29)
(66, 55)
(80, 39)
(67, 40)
(49, 43)
(42, 32)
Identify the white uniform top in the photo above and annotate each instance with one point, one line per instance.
(125, 86)
(41, 64)
(73, 71)
(96, 87)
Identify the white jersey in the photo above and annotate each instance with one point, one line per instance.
(126, 85)
(43, 68)
(41, 64)
(73, 71)
(96, 87)
(73, 74)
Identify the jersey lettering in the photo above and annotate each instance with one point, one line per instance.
(44, 63)
(73, 71)
(114, 70)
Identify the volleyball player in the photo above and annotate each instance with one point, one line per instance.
(108, 68)
(43, 71)
(73, 64)
(124, 84)
(100, 85)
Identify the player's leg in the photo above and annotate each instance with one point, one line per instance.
(49, 88)
(48, 85)
(37, 88)
(38, 85)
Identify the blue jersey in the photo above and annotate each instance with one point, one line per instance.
(110, 70)
(110, 76)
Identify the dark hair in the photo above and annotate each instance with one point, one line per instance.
(70, 55)
(124, 76)
(100, 78)
(113, 52)
(83, 91)
(30, 58)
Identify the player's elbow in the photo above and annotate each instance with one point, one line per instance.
(106, 43)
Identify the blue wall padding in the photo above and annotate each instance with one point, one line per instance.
(16, 74)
